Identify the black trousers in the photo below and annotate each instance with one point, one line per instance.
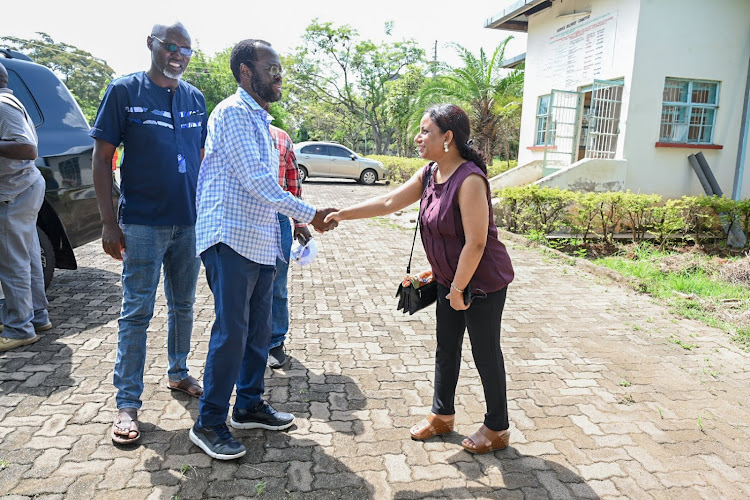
(482, 319)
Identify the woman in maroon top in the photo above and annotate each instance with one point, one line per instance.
(460, 239)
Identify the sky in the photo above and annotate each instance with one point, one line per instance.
(117, 31)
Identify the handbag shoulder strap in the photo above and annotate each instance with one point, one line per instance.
(426, 181)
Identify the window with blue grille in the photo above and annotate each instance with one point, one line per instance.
(688, 113)
(542, 117)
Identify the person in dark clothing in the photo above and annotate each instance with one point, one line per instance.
(461, 242)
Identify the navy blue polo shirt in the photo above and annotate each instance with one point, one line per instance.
(163, 131)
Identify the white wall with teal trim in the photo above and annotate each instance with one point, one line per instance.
(655, 39)
(539, 79)
(691, 39)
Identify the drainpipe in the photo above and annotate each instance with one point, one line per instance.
(708, 174)
(701, 176)
(742, 149)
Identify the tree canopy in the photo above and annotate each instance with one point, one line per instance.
(351, 77)
(479, 85)
(337, 86)
(85, 76)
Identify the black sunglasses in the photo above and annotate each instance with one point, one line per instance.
(173, 47)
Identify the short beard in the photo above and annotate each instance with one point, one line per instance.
(172, 75)
(265, 92)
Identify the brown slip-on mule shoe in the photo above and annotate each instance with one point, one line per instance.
(431, 426)
(486, 440)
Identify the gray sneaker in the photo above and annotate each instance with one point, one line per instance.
(277, 357)
(262, 416)
(217, 442)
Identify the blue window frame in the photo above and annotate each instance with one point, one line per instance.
(688, 113)
(542, 117)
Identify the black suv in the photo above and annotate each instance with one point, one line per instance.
(69, 216)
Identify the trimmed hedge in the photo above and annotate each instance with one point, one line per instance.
(540, 211)
(400, 169)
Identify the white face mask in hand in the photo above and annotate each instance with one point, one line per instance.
(304, 254)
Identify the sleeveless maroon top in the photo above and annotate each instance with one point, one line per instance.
(443, 233)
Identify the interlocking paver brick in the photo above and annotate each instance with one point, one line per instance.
(361, 374)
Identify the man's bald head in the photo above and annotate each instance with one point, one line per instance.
(3, 77)
(161, 30)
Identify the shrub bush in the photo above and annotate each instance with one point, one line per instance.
(499, 166)
(400, 169)
(540, 211)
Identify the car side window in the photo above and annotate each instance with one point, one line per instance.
(314, 149)
(339, 152)
(22, 94)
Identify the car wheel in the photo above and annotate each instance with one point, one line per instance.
(302, 174)
(48, 257)
(368, 177)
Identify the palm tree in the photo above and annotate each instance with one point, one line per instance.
(478, 86)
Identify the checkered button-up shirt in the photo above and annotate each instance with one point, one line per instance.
(288, 169)
(238, 190)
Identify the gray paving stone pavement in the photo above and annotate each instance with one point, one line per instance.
(606, 399)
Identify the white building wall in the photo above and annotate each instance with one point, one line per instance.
(693, 39)
(542, 75)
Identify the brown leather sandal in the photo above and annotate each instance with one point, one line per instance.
(188, 385)
(486, 440)
(431, 426)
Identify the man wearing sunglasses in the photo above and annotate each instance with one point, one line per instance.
(161, 120)
(238, 237)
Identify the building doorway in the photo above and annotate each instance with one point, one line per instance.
(601, 121)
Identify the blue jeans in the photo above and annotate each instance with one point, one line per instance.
(146, 249)
(25, 304)
(280, 309)
(238, 349)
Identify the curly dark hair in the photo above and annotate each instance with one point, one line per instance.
(451, 117)
(244, 52)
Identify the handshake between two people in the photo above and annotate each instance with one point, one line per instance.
(321, 222)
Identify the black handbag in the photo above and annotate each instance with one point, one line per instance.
(414, 295)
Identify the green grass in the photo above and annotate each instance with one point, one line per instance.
(694, 293)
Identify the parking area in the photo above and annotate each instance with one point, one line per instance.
(610, 395)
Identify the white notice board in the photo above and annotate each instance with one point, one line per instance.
(581, 50)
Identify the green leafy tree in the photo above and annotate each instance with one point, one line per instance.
(479, 86)
(351, 77)
(403, 106)
(85, 76)
(212, 76)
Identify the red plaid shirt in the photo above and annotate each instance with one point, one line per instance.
(288, 169)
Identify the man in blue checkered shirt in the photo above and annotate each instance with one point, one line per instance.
(238, 238)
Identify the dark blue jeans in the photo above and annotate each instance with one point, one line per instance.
(238, 349)
(482, 320)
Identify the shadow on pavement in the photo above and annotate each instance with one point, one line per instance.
(278, 465)
(81, 302)
(42, 371)
(508, 474)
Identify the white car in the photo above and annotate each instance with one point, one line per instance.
(330, 159)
